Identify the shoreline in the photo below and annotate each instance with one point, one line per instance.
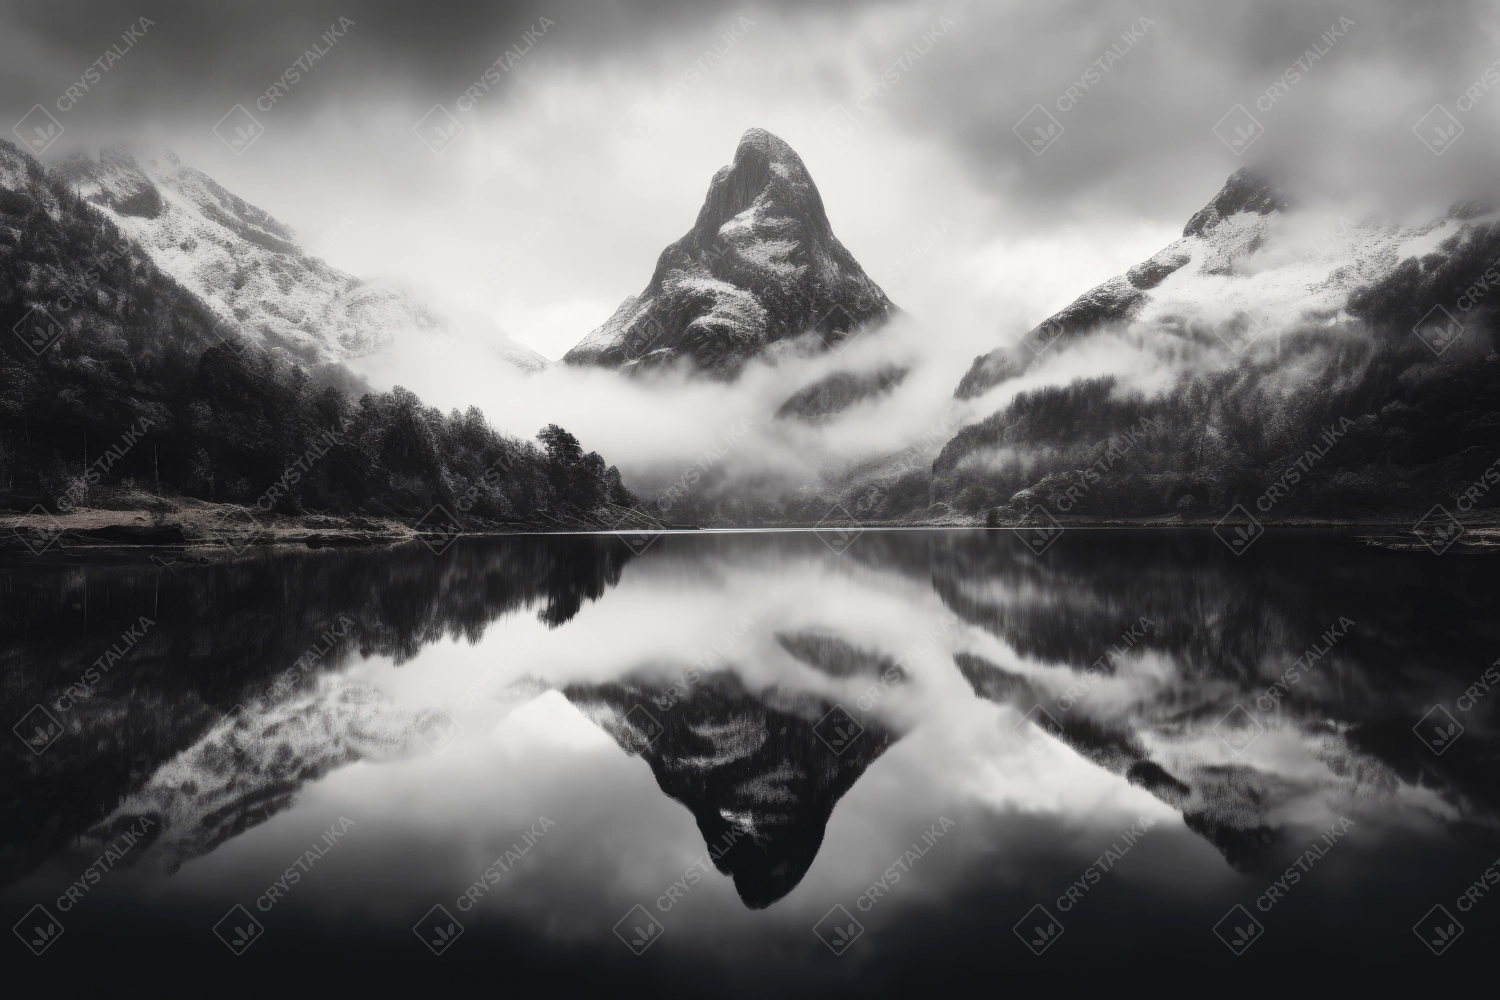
(199, 526)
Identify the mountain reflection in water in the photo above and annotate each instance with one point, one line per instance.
(788, 697)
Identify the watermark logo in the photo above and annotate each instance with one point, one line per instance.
(1239, 529)
(1438, 929)
(1038, 129)
(638, 541)
(42, 536)
(1438, 729)
(641, 336)
(1038, 529)
(1036, 726)
(38, 330)
(1238, 729)
(638, 128)
(1238, 929)
(1438, 329)
(38, 729)
(838, 929)
(438, 729)
(838, 329)
(231, 336)
(1438, 129)
(238, 929)
(639, 929)
(1438, 529)
(1240, 332)
(239, 734)
(238, 129)
(438, 929)
(38, 929)
(437, 129)
(644, 722)
(237, 530)
(838, 529)
(637, 530)
(839, 128)
(1043, 336)
(838, 729)
(1038, 929)
(38, 129)
(439, 529)
(1238, 130)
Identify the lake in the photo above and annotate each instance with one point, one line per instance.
(902, 763)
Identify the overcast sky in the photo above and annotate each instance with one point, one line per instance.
(594, 149)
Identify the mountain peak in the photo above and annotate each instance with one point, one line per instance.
(760, 265)
(764, 166)
(1245, 191)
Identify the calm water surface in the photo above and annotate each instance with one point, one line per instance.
(931, 764)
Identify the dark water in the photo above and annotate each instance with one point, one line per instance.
(703, 751)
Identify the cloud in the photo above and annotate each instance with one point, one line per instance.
(1139, 133)
(1137, 130)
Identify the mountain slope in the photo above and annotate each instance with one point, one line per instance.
(1231, 226)
(1263, 348)
(760, 265)
(249, 268)
(116, 382)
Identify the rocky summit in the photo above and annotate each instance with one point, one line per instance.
(760, 266)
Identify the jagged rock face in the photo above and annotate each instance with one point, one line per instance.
(1243, 192)
(750, 767)
(760, 265)
(248, 267)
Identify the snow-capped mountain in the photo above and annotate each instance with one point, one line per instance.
(1237, 272)
(1263, 332)
(250, 269)
(760, 266)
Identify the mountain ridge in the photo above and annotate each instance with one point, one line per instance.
(1251, 337)
(249, 268)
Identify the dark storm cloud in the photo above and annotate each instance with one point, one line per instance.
(204, 54)
(1141, 131)
(1137, 134)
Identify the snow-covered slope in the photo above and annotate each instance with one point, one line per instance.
(1245, 266)
(249, 268)
(1219, 362)
(761, 265)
